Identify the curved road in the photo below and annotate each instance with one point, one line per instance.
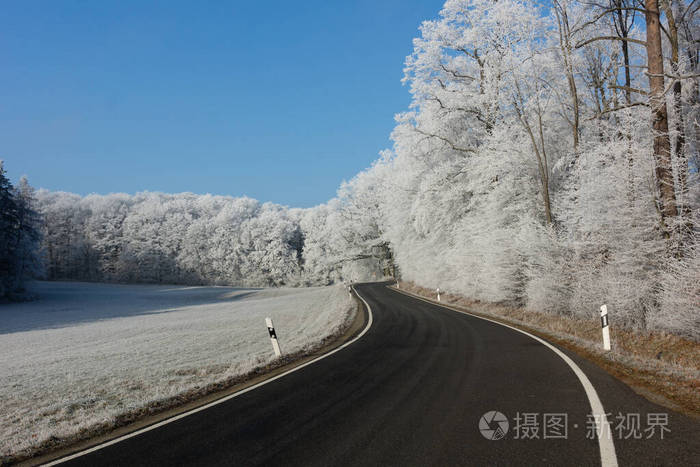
(412, 391)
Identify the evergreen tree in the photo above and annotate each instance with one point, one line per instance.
(19, 235)
(9, 218)
(27, 251)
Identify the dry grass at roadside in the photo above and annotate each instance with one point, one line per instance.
(662, 367)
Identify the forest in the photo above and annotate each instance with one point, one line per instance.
(549, 160)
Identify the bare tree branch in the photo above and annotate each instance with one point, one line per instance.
(615, 109)
(445, 140)
(675, 77)
(605, 12)
(631, 89)
(688, 8)
(475, 112)
(455, 74)
(610, 38)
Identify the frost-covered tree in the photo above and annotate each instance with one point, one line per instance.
(342, 238)
(9, 214)
(549, 159)
(19, 236)
(29, 262)
(159, 238)
(527, 169)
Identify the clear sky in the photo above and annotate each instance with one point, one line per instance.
(276, 100)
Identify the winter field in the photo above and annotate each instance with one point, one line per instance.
(84, 354)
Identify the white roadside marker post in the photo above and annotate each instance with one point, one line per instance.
(273, 337)
(438, 293)
(398, 286)
(605, 325)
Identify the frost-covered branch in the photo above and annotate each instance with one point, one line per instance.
(609, 38)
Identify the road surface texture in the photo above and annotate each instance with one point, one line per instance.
(412, 391)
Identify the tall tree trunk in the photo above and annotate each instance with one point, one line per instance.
(566, 51)
(679, 148)
(622, 28)
(694, 94)
(662, 141)
(540, 153)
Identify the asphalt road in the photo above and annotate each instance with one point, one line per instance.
(412, 391)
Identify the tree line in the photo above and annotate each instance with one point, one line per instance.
(193, 239)
(549, 159)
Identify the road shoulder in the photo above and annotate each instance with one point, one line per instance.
(652, 386)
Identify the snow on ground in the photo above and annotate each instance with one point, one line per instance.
(85, 353)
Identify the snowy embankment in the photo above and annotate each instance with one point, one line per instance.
(85, 354)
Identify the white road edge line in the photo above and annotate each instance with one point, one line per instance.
(223, 399)
(608, 458)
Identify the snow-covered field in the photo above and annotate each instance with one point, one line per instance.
(86, 353)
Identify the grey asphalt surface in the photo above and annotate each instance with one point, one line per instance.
(411, 392)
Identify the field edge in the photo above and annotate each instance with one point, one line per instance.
(183, 403)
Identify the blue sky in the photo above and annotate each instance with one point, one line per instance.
(279, 101)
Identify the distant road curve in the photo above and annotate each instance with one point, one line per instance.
(412, 390)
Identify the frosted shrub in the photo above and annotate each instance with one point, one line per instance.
(679, 292)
